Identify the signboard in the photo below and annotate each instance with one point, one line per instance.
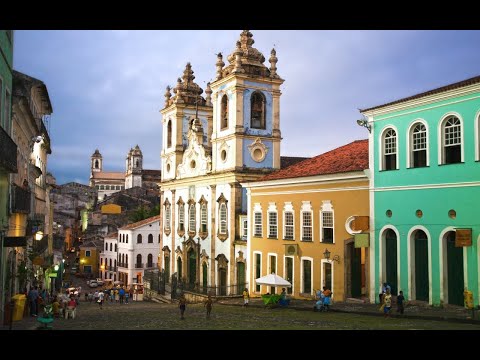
(111, 209)
(52, 275)
(13, 241)
(360, 223)
(463, 237)
(291, 249)
(362, 240)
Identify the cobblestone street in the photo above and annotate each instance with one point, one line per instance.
(153, 316)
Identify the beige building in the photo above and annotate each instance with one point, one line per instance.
(302, 222)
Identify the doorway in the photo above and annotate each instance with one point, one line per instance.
(355, 270)
(192, 268)
(421, 266)
(240, 277)
(222, 277)
(391, 273)
(454, 271)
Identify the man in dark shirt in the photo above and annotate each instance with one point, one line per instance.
(400, 303)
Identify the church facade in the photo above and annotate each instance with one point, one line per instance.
(210, 145)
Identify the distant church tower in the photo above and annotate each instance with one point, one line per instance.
(96, 164)
(134, 166)
(246, 110)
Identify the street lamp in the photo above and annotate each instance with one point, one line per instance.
(326, 255)
(39, 235)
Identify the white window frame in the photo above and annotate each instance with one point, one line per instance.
(441, 137)
(293, 271)
(192, 220)
(477, 138)
(322, 274)
(223, 222)
(306, 208)
(168, 216)
(254, 272)
(269, 267)
(272, 210)
(288, 208)
(204, 217)
(327, 207)
(410, 142)
(302, 259)
(181, 216)
(244, 227)
(381, 149)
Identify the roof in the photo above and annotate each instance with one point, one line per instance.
(109, 175)
(463, 83)
(141, 223)
(112, 235)
(350, 157)
(22, 85)
(286, 161)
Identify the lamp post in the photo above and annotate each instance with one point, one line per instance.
(326, 255)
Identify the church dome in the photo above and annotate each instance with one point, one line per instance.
(136, 151)
(97, 154)
(188, 90)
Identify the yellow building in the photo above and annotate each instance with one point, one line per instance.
(302, 221)
(90, 257)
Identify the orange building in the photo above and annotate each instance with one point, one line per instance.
(90, 257)
(302, 221)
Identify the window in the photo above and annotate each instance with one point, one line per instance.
(288, 225)
(272, 224)
(224, 112)
(7, 105)
(87, 253)
(126, 260)
(258, 269)
(289, 273)
(203, 218)
(257, 110)
(418, 146)
(181, 217)
(307, 226)
(390, 150)
(139, 261)
(307, 276)
(139, 238)
(192, 218)
(110, 263)
(167, 217)
(244, 224)
(96, 164)
(149, 261)
(150, 238)
(169, 134)
(327, 226)
(223, 218)
(106, 246)
(257, 224)
(452, 140)
(110, 246)
(116, 248)
(159, 238)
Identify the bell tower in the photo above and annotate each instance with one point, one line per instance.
(246, 110)
(181, 111)
(134, 166)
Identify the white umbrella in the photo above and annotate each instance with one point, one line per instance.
(273, 280)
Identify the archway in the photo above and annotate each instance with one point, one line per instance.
(391, 274)
(179, 268)
(454, 265)
(205, 277)
(240, 277)
(421, 266)
(192, 267)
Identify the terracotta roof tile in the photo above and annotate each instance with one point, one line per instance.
(286, 161)
(109, 175)
(141, 223)
(456, 85)
(350, 157)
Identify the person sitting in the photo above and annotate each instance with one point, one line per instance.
(327, 299)
(71, 308)
(56, 307)
(319, 304)
(283, 298)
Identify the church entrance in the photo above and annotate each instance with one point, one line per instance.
(192, 268)
(222, 281)
(240, 277)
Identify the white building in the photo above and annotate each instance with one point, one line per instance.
(138, 249)
(108, 257)
(211, 145)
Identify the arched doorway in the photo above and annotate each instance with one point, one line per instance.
(167, 268)
(421, 266)
(455, 280)
(240, 277)
(391, 275)
(222, 281)
(205, 277)
(354, 270)
(192, 267)
(179, 268)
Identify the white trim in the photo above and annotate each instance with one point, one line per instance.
(429, 186)
(269, 267)
(440, 137)
(293, 271)
(285, 224)
(409, 163)
(322, 275)
(411, 263)
(477, 135)
(255, 234)
(312, 191)
(269, 235)
(478, 267)
(371, 196)
(348, 228)
(381, 147)
(306, 207)
(327, 207)
(302, 290)
(254, 265)
(382, 249)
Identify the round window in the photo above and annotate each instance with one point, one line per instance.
(258, 154)
(223, 155)
(419, 213)
(193, 164)
(452, 214)
(389, 213)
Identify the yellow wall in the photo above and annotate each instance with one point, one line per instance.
(111, 209)
(347, 198)
(92, 260)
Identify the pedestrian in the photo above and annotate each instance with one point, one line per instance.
(208, 305)
(387, 302)
(86, 296)
(400, 303)
(121, 292)
(182, 304)
(101, 295)
(327, 298)
(32, 298)
(127, 295)
(246, 297)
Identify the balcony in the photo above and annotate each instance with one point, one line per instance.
(123, 265)
(8, 152)
(139, 266)
(20, 200)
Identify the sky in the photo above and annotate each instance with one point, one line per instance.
(107, 87)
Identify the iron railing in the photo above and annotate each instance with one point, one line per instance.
(124, 265)
(20, 199)
(8, 152)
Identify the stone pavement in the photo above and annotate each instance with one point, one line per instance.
(413, 310)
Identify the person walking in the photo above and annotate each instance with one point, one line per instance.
(400, 303)
(387, 301)
(121, 292)
(208, 305)
(246, 297)
(32, 299)
(182, 304)
(101, 296)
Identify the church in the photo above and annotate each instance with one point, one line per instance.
(108, 183)
(210, 145)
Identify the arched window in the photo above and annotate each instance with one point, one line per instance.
(110, 246)
(223, 218)
(149, 260)
(191, 217)
(257, 110)
(136, 164)
(159, 238)
(150, 238)
(96, 164)
(110, 262)
(169, 134)
(106, 246)
(181, 217)
(126, 260)
(224, 112)
(203, 218)
(451, 140)
(389, 150)
(418, 146)
(139, 261)
(115, 247)
(167, 216)
(139, 238)
(123, 259)
(126, 238)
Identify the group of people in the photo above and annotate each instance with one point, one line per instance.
(386, 300)
(118, 295)
(323, 298)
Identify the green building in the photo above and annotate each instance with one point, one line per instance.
(425, 185)
(8, 148)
